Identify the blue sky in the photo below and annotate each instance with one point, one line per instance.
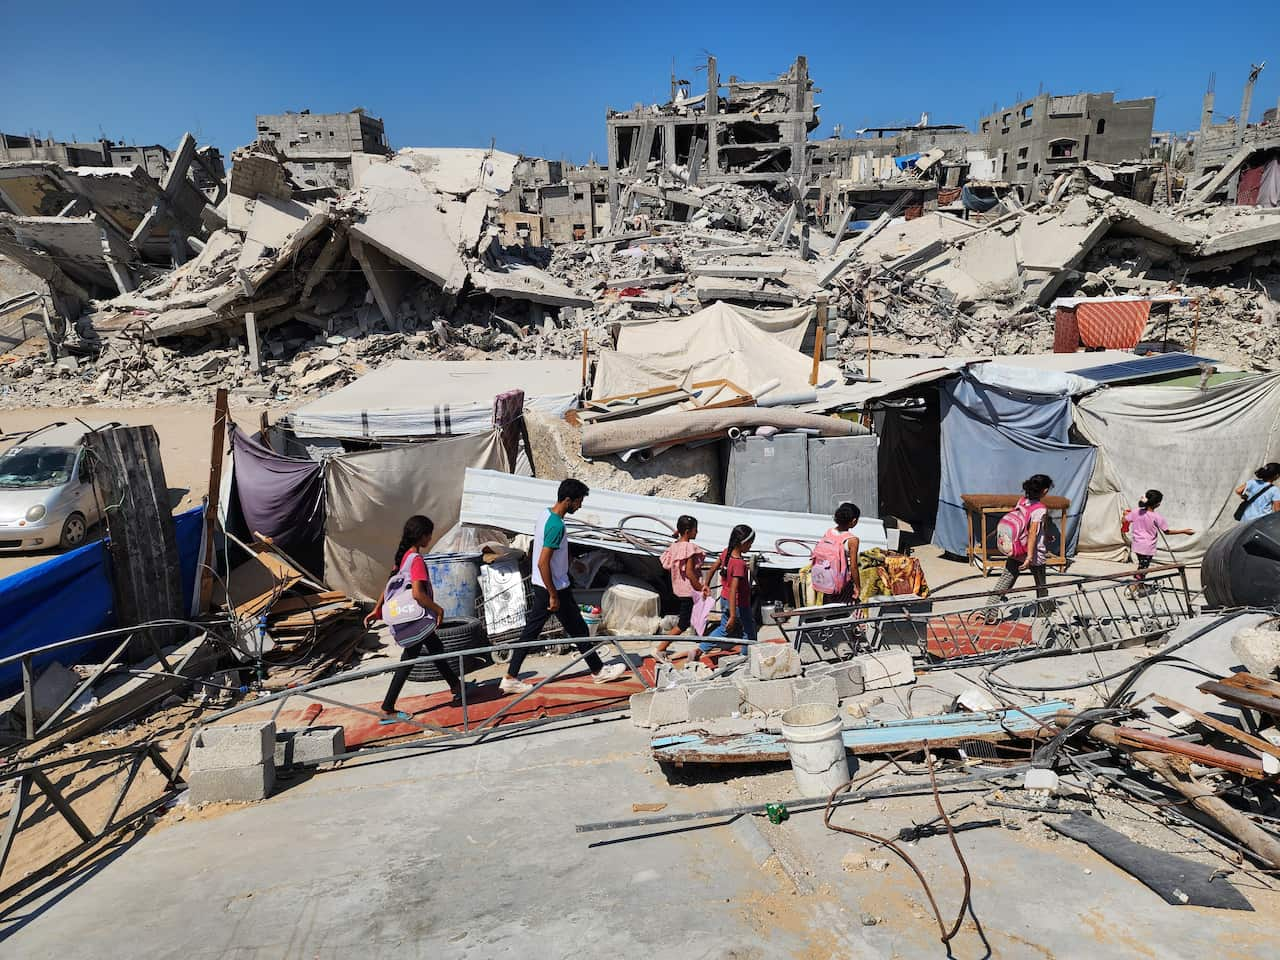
(538, 77)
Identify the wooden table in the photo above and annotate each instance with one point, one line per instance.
(984, 511)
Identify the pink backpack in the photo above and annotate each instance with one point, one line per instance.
(830, 563)
(1011, 531)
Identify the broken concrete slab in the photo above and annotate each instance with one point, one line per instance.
(885, 669)
(460, 170)
(772, 661)
(523, 281)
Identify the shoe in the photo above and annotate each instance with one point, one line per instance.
(512, 685)
(610, 673)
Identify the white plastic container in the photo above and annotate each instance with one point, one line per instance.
(818, 758)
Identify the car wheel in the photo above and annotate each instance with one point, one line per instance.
(74, 531)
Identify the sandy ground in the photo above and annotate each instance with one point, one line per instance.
(185, 440)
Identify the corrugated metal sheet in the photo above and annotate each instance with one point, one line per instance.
(516, 503)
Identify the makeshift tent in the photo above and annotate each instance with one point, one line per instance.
(368, 497)
(716, 343)
(1000, 425)
(426, 398)
(789, 326)
(1195, 446)
(280, 497)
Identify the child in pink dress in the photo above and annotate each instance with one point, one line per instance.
(1145, 525)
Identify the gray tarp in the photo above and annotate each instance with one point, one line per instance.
(994, 438)
(640, 433)
(1195, 446)
(370, 495)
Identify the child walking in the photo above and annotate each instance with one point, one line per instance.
(1145, 524)
(684, 560)
(735, 592)
(834, 561)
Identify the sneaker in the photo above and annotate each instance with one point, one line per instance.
(512, 685)
(610, 673)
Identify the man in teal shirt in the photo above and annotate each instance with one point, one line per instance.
(552, 593)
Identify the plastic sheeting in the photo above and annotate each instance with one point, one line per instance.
(789, 326)
(717, 343)
(370, 495)
(280, 497)
(1195, 446)
(993, 438)
(71, 596)
(639, 433)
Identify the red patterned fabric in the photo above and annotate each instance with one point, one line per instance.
(1066, 332)
(1248, 186)
(1113, 325)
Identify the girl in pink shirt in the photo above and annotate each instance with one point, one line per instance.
(683, 559)
(1145, 525)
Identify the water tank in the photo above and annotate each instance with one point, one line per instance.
(1242, 567)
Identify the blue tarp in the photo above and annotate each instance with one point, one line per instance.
(70, 596)
(906, 161)
(993, 438)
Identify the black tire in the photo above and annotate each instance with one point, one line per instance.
(456, 633)
(75, 532)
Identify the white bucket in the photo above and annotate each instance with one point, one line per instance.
(818, 758)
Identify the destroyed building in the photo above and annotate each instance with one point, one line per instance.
(318, 146)
(756, 132)
(1043, 136)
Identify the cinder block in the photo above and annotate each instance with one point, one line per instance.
(767, 696)
(848, 677)
(233, 746)
(714, 700)
(669, 706)
(888, 668)
(235, 784)
(641, 703)
(816, 690)
(773, 661)
(308, 746)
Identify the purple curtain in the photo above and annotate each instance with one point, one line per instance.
(280, 497)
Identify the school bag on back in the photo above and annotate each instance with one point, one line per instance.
(1011, 531)
(829, 573)
(401, 612)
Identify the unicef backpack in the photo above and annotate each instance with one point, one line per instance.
(829, 573)
(1011, 531)
(408, 620)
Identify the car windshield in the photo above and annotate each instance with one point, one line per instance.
(36, 466)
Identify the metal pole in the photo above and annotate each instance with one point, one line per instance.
(28, 698)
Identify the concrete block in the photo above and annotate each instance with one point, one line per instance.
(815, 690)
(641, 703)
(767, 696)
(51, 688)
(234, 784)
(848, 677)
(888, 668)
(773, 661)
(714, 700)
(669, 706)
(309, 746)
(233, 746)
(730, 664)
(1258, 649)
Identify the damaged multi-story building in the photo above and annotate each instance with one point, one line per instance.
(318, 147)
(735, 132)
(1234, 156)
(1043, 136)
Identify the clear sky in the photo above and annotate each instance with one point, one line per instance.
(538, 76)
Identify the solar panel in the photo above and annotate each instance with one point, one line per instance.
(1141, 368)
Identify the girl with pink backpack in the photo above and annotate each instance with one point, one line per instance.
(833, 569)
(1020, 536)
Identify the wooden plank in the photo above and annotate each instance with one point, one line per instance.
(1220, 725)
(311, 600)
(1205, 756)
(950, 729)
(1242, 695)
(207, 545)
(147, 577)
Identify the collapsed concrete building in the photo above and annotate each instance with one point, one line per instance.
(318, 147)
(1036, 139)
(757, 132)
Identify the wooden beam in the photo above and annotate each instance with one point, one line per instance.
(212, 502)
(1230, 729)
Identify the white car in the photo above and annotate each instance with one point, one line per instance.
(47, 496)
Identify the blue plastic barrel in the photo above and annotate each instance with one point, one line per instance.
(455, 579)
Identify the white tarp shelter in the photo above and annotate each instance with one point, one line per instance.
(1195, 446)
(425, 398)
(716, 343)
